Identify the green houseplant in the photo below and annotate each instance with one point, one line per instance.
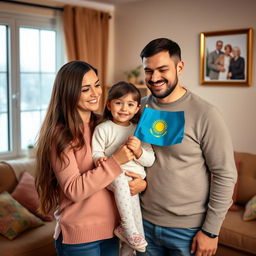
(133, 74)
(30, 150)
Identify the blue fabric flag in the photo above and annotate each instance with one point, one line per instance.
(161, 128)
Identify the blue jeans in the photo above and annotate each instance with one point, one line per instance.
(163, 241)
(107, 247)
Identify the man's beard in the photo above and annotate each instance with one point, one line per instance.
(169, 90)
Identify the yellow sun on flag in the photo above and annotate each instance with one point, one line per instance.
(159, 128)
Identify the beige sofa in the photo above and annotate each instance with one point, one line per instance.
(33, 242)
(238, 237)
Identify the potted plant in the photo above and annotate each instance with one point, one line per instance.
(132, 75)
(31, 151)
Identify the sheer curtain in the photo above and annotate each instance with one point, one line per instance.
(86, 33)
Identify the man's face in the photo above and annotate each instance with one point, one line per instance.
(219, 46)
(160, 74)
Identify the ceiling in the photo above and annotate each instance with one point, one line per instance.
(107, 5)
(113, 1)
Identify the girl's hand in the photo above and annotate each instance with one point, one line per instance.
(134, 144)
(137, 184)
(123, 155)
(100, 160)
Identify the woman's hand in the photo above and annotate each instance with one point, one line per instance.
(137, 184)
(134, 144)
(123, 155)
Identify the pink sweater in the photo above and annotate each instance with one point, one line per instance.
(87, 210)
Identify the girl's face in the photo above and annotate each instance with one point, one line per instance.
(90, 95)
(123, 109)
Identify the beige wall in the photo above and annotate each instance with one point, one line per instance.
(138, 23)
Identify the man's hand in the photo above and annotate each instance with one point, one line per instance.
(203, 245)
(137, 184)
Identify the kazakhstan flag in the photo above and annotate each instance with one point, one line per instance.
(161, 128)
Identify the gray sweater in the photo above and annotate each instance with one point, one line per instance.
(191, 183)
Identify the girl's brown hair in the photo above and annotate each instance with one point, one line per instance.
(119, 90)
(62, 126)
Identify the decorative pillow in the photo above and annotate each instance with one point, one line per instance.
(25, 193)
(14, 218)
(234, 206)
(250, 210)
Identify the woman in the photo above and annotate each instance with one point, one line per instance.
(223, 61)
(236, 67)
(67, 180)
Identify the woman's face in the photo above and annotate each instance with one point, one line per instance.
(227, 50)
(90, 93)
(236, 52)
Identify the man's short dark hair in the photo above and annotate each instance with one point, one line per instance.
(159, 45)
(219, 41)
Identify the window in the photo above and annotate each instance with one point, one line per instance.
(31, 53)
(4, 110)
(37, 72)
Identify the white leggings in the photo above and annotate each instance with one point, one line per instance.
(128, 206)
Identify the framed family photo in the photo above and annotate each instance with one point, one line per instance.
(226, 57)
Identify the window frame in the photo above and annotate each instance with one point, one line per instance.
(14, 21)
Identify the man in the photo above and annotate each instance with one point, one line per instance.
(214, 70)
(190, 185)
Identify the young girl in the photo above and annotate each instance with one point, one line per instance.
(120, 117)
(67, 180)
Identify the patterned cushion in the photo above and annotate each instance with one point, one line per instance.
(250, 210)
(14, 218)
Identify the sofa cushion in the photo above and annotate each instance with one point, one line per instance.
(38, 241)
(228, 251)
(250, 210)
(234, 206)
(14, 218)
(21, 165)
(25, 193)
(238, 234)
(247, 177)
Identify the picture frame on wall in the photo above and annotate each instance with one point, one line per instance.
(226, 57)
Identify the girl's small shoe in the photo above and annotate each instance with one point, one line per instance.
(136, 241)
(126, 250)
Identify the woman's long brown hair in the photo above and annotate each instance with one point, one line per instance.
(62, 125)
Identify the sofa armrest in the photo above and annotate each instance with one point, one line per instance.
(8, 179)
(246, 177)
